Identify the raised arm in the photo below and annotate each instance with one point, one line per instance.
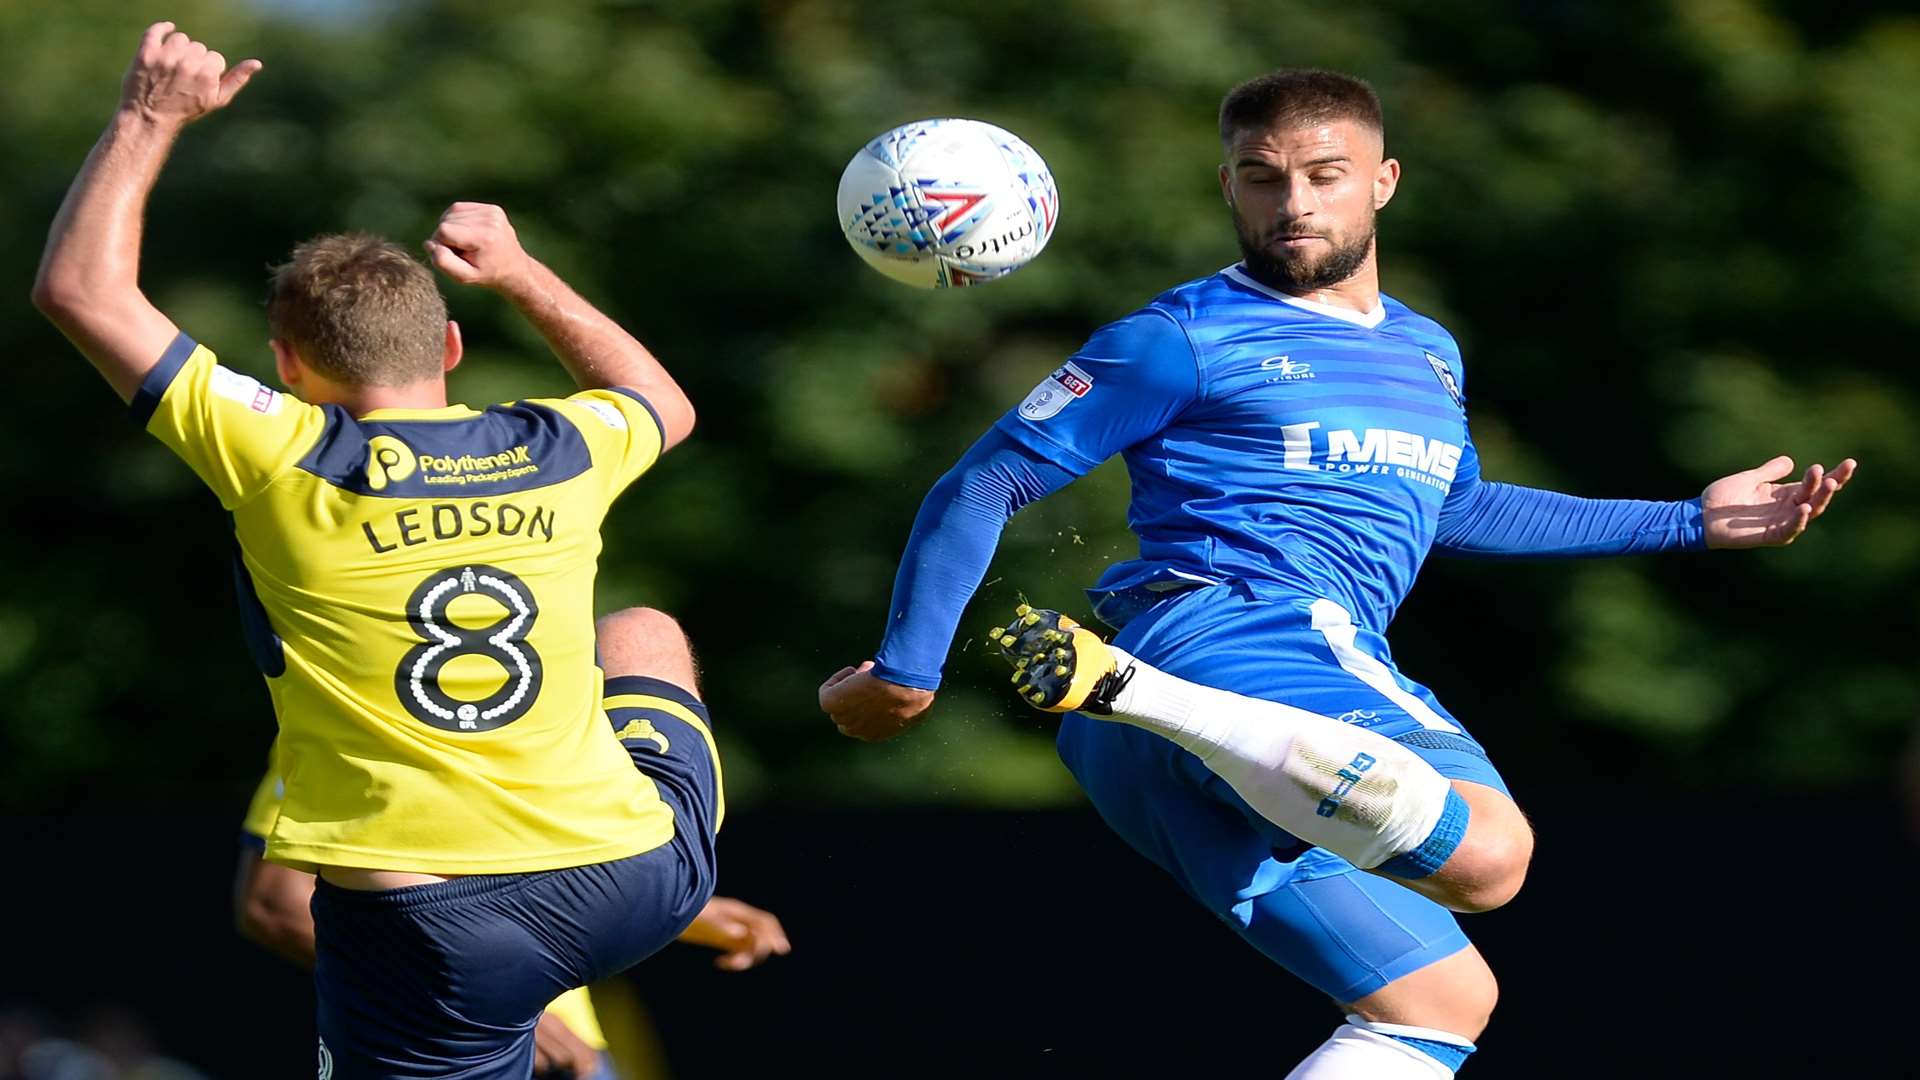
(89, 279)
(475, 244)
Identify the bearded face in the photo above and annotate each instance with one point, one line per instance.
(1304, 198)
(1296, 257)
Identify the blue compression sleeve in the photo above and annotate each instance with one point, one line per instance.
(1503, 520)
(953, 541)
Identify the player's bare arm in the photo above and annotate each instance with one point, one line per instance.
(89, 279)
(1750, 510)
(475, 244)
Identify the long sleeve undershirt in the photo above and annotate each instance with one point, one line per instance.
(1495, 520)
(960, 522)
(953, 540)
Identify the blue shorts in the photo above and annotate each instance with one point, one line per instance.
(448, 979)
(1345, 932)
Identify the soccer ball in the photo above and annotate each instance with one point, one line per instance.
(942, 204)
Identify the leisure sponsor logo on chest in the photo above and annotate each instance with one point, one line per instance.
(1373, 450)
(1286, 369)
(1056, 391)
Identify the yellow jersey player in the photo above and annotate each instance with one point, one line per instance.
(419, 579)
(271, 908)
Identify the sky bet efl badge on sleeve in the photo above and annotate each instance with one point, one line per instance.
(1055, 391)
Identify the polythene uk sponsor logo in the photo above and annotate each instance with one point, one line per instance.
(389, 460)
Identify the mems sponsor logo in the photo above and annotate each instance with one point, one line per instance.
(1373, 450)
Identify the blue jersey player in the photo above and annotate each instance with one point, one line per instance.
(1298, 443)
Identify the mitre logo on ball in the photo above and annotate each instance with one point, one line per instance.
(943, 204)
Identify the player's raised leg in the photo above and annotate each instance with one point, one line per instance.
(647, 642)
(1363, 796)
(1382, 953)
(652, 698)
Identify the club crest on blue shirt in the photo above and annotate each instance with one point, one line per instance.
(1445, 374)
(1055, 391)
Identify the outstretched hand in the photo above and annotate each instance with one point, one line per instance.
(1750, 510)
(870, 708)
(177, 80)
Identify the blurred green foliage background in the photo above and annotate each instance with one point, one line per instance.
(1674, 238)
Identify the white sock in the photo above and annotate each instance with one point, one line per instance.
(1356, 793)
(1360, 1050)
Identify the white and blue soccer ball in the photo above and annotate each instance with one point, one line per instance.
(942, 204)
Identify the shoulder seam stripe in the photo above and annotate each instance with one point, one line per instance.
(153, 386)
(658, 423)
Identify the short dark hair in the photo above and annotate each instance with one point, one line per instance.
(360, 310)
(1298, 97)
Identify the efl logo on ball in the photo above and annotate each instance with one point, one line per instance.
(942, 204)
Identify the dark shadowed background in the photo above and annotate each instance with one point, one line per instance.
(1673, 238)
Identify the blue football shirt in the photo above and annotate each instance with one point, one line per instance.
(1301, 447)
(1302, 450)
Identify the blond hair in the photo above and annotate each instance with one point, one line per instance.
(359, 310)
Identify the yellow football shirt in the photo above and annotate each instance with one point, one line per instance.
(418, 589)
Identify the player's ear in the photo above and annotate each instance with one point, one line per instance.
(1226, 184)
(287, 363)
(1386, 181)
(451, 358)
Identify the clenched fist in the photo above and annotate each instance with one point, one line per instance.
(869, 708)
(176, 80)
(475, 245)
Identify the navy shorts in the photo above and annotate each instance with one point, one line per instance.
(448, 979)
(1347, 933)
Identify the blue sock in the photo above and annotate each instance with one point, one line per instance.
(1452, 1055)
(1439, 845)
